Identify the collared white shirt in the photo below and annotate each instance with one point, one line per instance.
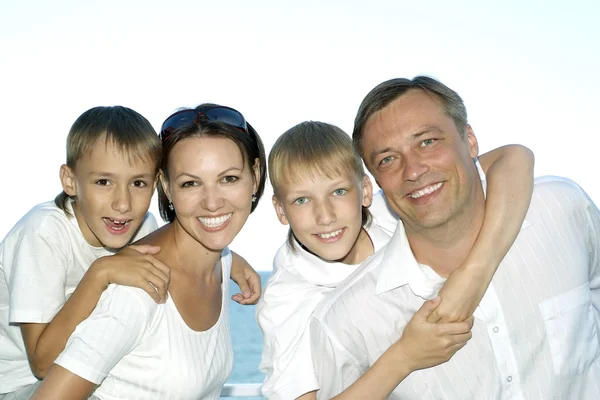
(536, 332)
(298, 283)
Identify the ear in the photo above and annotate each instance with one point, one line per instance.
(472, 142)
(67, 180)
(279, 210)
(256, 171)
(164, 183)
(367, 192)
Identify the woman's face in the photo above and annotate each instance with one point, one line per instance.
(211, 189)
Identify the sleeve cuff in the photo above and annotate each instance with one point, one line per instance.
(80, 369)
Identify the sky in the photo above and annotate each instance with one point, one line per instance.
(527, 71)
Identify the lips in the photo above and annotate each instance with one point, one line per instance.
(215, 223)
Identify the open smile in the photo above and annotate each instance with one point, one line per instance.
(116, 226)
(215, 223)
(330, 237)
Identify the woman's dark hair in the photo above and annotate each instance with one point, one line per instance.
(249, 143)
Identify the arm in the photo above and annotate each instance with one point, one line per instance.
(62, 384)
(509, 172)
(113, 330)
(422, 345)
(247, 279)
(44, 342)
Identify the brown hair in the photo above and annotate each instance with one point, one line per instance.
(312, 149)
(249, 143)
(384, 93)
(128, 130)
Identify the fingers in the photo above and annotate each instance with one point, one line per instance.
(455, 328)
(149, 288)
(158, 285)
(427, 308)
(145, 248)
(162, 269)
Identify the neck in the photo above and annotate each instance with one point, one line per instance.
(361, 250)
(446, 247)
(182, 252)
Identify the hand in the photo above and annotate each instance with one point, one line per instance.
(461, 294)
(247, 279)
(137, 267)
(424, 344)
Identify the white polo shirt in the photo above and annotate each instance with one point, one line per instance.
(137, 349)
(42, 260)
(536, 332)
(299, 281)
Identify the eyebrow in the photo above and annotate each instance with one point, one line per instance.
(425, 130)
(112, 175)
(225, 172)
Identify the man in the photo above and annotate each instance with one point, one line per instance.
(537, 329)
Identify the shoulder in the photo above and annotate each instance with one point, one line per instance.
(558, 195)
(128, 303)
(43, 223)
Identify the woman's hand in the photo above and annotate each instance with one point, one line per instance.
(247, 279)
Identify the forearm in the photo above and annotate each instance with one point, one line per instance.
(509, 179)
(61, 384)
(381, 379)
(52, 340)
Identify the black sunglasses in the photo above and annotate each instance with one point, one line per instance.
(189, 117)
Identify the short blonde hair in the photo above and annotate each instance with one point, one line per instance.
(312, 149)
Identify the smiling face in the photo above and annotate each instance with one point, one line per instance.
(419, 159)
(112, 192)
(211, 189)
(325, 214)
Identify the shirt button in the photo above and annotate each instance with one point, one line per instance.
(496, 329)
(509, 379)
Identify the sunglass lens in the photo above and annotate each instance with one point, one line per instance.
(226, 115)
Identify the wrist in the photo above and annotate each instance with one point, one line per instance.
(98, 275)
(400, 362)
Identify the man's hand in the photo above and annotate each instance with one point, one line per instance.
(137, 267)
(424, 344)
(461, 294)
(247, 279)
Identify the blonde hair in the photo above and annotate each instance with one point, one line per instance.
(125, 128)
(312, 149)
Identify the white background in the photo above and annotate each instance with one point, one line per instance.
(527, 70)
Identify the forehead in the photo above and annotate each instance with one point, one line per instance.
(106, 156)
(296, 178)
(205, 153)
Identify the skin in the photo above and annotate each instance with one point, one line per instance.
(207, 179)
(320, 205)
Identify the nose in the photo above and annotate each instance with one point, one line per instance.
(325, 213)
(414, 168)
(212, 199)
(122, 200)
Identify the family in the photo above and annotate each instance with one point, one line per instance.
(462, 278)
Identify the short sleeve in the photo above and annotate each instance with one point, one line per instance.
(37, 262)
(113, 330)
(336, 369)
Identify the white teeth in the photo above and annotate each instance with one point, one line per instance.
(214, 222)
(427, 190)
(330, 234)
(119, 224)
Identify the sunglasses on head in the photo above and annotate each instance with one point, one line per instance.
(189, 117)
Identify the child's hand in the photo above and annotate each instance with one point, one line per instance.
(461, 294)
(247, 279)
(137, 267)
(424, 344)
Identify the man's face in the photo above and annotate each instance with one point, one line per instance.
(419, 159)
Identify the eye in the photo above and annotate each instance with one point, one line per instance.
(427, 142)
(385, 160)
(139, 184)
(188, 184)
(102, 182)
(340, 192)
(301, 200)
(229, 179)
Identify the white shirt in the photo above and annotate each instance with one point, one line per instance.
(536, 332)
(42, 260)
(299, 281)
(137, 349)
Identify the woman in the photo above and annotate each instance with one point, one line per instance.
(211, 178)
